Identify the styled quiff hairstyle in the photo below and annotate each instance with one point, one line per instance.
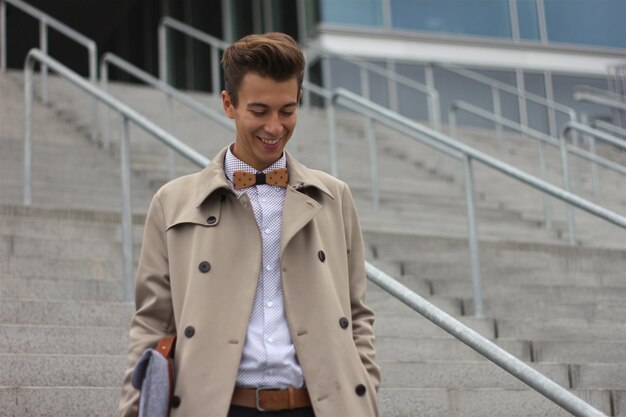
(273, 55)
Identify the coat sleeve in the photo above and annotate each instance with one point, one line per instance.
(362, 316)
(153, 317)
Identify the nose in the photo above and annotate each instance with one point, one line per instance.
(273, 126)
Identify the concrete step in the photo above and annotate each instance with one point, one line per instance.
(59, 401)
(459, 375)
(383, 303)
(414, 325)
(579, 352)
(37, 267)
(12, 288)
(599, 376)
(554, 293)
(17, 338)
(561, 329)
(66, 313)
(25, 370)
(417, 349)
(538, 309)
(479, 403)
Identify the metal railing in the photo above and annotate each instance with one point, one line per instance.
(562, 144)
(128, 115)
(523, 97)
(167, 23)
(482, 345)
(434, 116)
(599, 96)
(599, 124)
(508, 362)
(467, 154)
(46, 21)
(171, 94)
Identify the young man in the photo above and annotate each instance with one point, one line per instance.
(256, 265)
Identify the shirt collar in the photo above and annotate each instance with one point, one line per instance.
(232, 164)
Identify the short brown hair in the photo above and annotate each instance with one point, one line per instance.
(274, 55)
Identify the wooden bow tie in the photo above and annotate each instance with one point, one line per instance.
(243, 179)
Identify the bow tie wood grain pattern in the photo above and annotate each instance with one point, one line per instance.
(278, 178)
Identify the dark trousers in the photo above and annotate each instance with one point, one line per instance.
(236, 411)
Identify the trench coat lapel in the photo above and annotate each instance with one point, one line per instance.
(299, 208)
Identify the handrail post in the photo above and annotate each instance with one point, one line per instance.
(171, 163)
(127, 217)
(584, 118)
(330, 112)
(163, 58)
(93, 77)
(453, 133)
(497, 110)
(28, 131)
(370, 134)
(429, 78)
(43, 45)
(106, 118)
(570, 211)
(392, 86)
(3, 36)
(215, 72)
(473, 235)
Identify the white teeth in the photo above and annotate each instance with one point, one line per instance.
(269, 141)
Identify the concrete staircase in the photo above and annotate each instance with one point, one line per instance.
(64, 325)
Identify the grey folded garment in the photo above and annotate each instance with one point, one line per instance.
(151, 376)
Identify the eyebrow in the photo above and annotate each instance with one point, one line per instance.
(265, 106)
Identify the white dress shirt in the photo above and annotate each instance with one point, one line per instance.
(269, 356)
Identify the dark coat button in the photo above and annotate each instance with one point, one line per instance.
(360, 390)
(190, 331)
(211, 220)
(321, 255)
(204, 267)
(175, 401)
(343, 322)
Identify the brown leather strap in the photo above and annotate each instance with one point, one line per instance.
(166, 347)
(271, 399)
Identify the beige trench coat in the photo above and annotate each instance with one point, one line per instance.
(197, 277)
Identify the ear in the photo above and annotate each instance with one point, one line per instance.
(227, 103)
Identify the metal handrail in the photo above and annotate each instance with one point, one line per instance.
(535, 134)
(434, 116)
(215, 44)
(599, 124)
(171, 93)
(469, 154)
(128, 114)
(542, 137)
(482, 345)
(497, 86)
(389, 118)
(598, 96)
(517, 368)
(46, 20)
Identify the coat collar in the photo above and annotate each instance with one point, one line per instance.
(213, 178)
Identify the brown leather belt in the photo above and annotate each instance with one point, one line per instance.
(271, 399)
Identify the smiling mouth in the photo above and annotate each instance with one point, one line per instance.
(269, 141)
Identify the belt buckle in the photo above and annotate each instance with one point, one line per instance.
(258, 401)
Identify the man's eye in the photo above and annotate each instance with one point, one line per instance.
(257, 112)
(288, 112)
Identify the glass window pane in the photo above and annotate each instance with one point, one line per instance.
(590, 22)
(471, 17)
(352, 12)
(527, 18)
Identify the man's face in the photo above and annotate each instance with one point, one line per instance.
(265, 117)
